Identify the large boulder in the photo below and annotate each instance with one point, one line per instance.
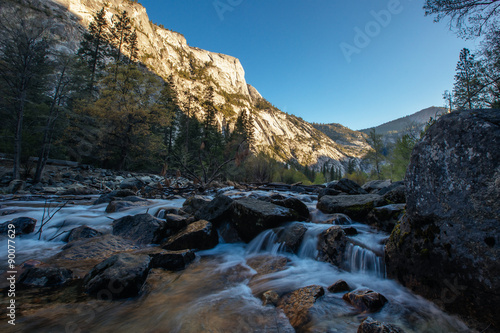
(252, 216)
(297, 305)
(22, 226)
(332, 245)
(195, 203)
(120, 276)
(200, 235)
(446, 247)
(356, 207)
(141, 228)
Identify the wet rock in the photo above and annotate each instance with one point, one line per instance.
(199, 235)
(108, 197)
(82, 232)
(141, 228)
(41, 276)
(292, 235)
(376, 185)
(297, 305)
(365, 300)
(228, 233)
(350, 231)
(385, 218)
(347, 186)
(339, 286)
(172, 260)
(251, 216)
(22, 226)
(356, 207)
(296, 205)
(332, 244)
(195, 203)
(370, 325)
(121, 204)
(81, 255)
(270, 297)
(215, 211)
(446, 247)
(120, 276)
(339, 219)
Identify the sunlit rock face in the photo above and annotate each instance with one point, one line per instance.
(167, 53)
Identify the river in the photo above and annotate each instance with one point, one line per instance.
(216, 293)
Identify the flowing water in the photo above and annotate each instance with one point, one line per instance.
(217, 293)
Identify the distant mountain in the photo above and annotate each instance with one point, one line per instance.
(349, 141)
(395, 128)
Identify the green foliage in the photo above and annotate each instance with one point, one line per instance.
(129, 114)
(468, 90)
(375, 156)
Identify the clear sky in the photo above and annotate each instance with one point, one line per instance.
(359, 63)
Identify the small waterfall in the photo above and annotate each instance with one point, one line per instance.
(309, 246)
(362, 260)
(266, 241)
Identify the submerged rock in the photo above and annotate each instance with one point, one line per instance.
(43, 276)
(370, 325)
(297, 305)
(22, 226)
(251, 216)
(172, 260)
(339, 286)
(120, 276)
(270, 297)
(365, 300)
(446, 248)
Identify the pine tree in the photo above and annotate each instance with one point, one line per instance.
(375, 156)
(95, 45)
(121, 32)
(24, 65)
(468, 88)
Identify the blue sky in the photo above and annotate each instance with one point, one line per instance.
(308, 57)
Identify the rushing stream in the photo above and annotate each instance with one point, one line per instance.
(216, 293)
